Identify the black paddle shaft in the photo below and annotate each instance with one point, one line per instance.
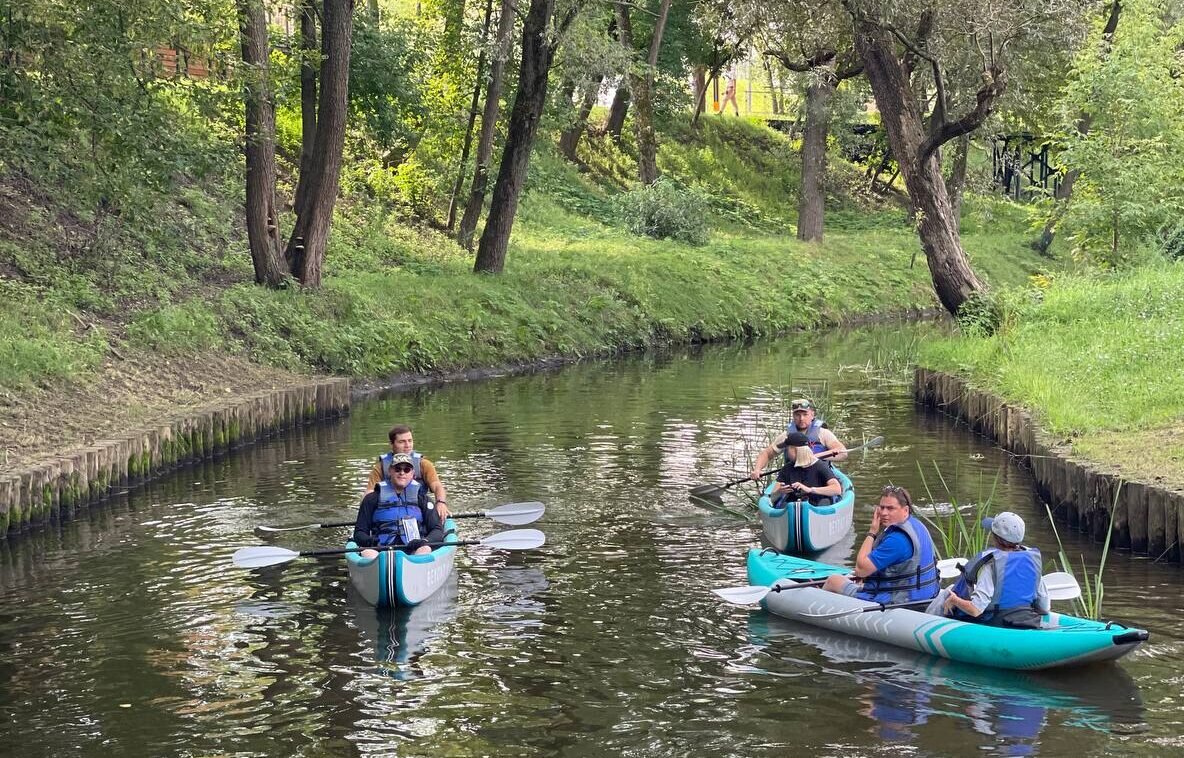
(379, 548)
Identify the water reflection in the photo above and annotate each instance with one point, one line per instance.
(399, 637)
(903, 690)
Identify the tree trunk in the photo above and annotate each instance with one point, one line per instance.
(617, 112)
(642, 86)
(493, 96)
(774, 102)
(309, 63)
(953, 279)
(956, 184)
(569, 141)
(468, 142)
(306, 247)
(811, 204)
(537, 55)
(700, 88)
(262, 227)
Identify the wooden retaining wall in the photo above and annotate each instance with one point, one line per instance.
(65, 483)
(1149, 519)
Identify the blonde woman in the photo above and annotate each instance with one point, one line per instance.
(804, 476)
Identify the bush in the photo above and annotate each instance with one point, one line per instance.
(664, 210)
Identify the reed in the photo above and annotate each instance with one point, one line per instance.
(957, 527)
(1089, 604)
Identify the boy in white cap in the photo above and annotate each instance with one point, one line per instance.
(1000, 586)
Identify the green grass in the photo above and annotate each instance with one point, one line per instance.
(403, 299)
(1097, 357)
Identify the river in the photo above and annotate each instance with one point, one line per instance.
(127, 631)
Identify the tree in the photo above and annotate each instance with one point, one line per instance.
(314, 210)
(493, 95)
(828, 57)
(641, 84)
(540, 38)
(263, 235)
(1129, 165)
(890, 56)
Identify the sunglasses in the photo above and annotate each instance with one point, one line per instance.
(403, 468)
(800, 406)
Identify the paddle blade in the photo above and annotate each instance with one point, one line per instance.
(515, 539)
(516, 514)
(270, 529)
(1061, 585)
(262, 555)
(707, 491)
(873, 442)
(742, 595)
(948, 568)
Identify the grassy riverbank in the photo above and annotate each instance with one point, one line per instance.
(400, 298)
(1098, 359)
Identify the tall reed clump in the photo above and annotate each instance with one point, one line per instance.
(1089, 604)
(957, 529)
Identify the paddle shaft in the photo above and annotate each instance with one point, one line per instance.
(478, 514)
(824, 454)
(380, 548)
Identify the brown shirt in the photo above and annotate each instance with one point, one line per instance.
(430, 477)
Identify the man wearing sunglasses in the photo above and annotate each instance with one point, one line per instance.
(402, 443)
(397, 512)
(822, 441)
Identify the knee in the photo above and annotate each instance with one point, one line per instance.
(834, 583)
(422, 550)
(368, 553)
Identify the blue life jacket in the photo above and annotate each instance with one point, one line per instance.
(914, 579)
(813, 435)
(384, 461)
(1017, 582)
(393, 508)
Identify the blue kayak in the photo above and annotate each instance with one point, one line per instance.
(1064, 640)
(394, 578)
(798, 527)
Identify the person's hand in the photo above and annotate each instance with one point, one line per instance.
(780, 487)
(442, 509)
(875, 527)
(950, 602)
(755, 475)
(799, 487)
(368, 553)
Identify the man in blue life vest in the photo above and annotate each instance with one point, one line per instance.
(823, 442)
(1000, 586)
(398, 513)
(896, 560)
(425, 473)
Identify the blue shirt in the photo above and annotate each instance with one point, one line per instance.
(895, 548)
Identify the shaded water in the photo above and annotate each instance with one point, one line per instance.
(127, 631)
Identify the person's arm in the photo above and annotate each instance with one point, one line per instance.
(863, 563)
(375, 477)
(365, 522)
(893, 549)
(1043, 604)
(980, 598)
(835, 450)
(766, 455)
(432, 480)
(433, 522)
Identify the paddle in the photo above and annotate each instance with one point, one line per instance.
(269, 555)
(713, 491)
(512, 514)
(754, 593)
(1059, 585)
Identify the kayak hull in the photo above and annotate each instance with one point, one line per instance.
(799, 527)
(395, 579)
(1066, 640)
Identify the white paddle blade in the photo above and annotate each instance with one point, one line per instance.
(948, 568)
(1061, 585)
(270, 529)
(262, 555)
(516, 514)
(749, 595)
(515, 539)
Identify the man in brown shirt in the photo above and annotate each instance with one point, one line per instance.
(403, 443)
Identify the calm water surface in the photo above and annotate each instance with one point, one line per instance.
(127, 631)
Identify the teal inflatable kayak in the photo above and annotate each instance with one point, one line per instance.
(1064, 640)
(798, 527)
(394, 578)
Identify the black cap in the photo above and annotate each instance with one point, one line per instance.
(796, 439)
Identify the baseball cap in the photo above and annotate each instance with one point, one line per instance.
(1007, 526)
(796, 439)
(398, 458)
